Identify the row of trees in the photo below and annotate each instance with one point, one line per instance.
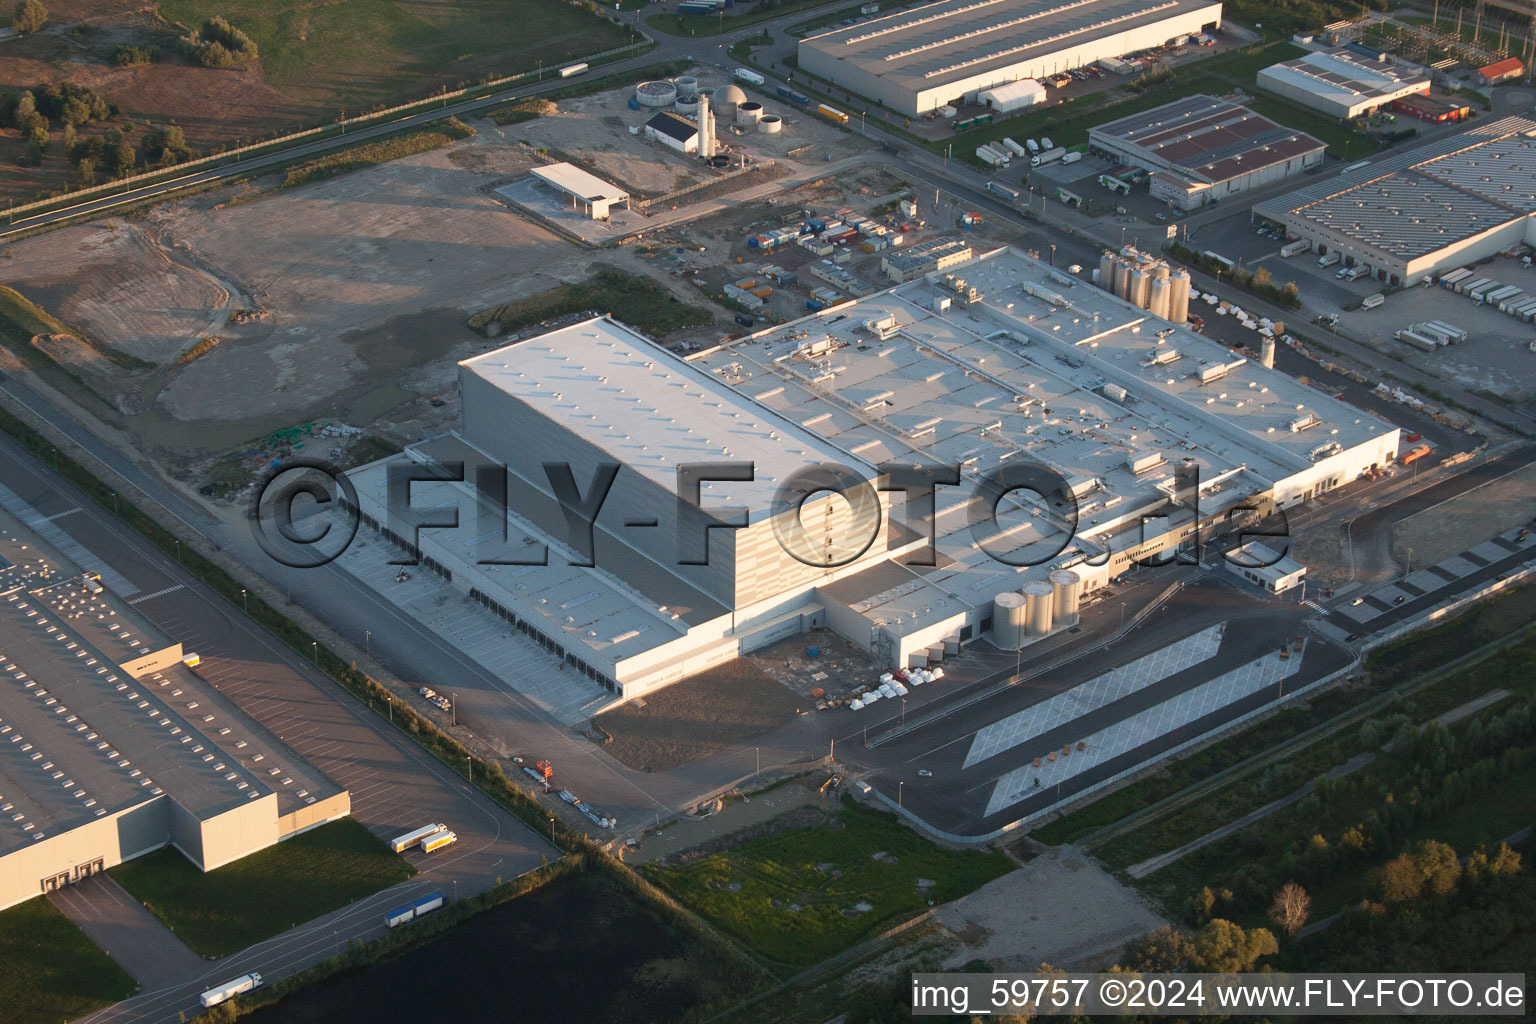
(218, 44)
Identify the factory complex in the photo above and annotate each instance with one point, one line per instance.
(1342, 83)
(719, 530)
(923, 58)
(1201, 149)
(1413, 215)
(111, 746)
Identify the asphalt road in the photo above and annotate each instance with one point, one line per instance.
(395, 785)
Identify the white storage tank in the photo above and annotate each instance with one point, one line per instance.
(770, 124)
(1107, 271)
(1267, 352)
(689, 108)
(1037, 608)
(1067, 587)
(1008, 621)
(1178, 299)
(749, 113)
(687, 87)
(1139, 288)
(726, 98)
(1158, 304)
(656, 94)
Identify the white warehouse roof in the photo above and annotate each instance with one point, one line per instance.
(1345, 79)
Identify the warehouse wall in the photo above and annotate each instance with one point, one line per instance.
(243, 829)
(113, 838)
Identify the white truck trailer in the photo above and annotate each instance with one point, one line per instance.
(402, 843)
(438, 840)
(245, 983)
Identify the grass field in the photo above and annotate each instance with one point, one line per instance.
(800, 891)
(714, 25)
(358, 54)
(410, 143)
(256, 897)
(51, 971)
(641, 303)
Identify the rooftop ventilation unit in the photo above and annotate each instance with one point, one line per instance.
(1161, 357)
(1301, 423)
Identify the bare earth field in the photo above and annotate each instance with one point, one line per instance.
(717, 708)
(1466, 520)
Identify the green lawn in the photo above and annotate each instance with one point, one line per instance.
(357, 54)
(638, 301)
(419, 140)
(51, 971)
(715, 24)
(226, 910)
(785, 868)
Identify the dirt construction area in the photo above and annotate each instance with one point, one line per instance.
(715, 709)
(358, 286)
(1466, 520)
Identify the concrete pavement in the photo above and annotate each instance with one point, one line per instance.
(128, 933)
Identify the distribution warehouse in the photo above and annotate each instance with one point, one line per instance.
(1419, 213)
(925, 57)
(1341, 83)
(1001, 362)
(110, 744)
(1202, 149)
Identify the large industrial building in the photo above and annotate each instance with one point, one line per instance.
(1202, 149)
(1342, 83)
(998, 363)
(110, 744)
(1415, 214)
(923, 58)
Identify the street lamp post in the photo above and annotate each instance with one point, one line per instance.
(368, 643)
(391, 702)
(314, 652)
(453, 707)
(245, 603)
(758, 769)
(899, 787)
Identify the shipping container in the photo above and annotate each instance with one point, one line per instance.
(399, 916)
(1016, 149)
(1414, 455)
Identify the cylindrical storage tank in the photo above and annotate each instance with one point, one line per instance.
(656, 94)
(1158, 302)
(1178, 299)
(687, 87)
(1160, 271)
(1267, 352)
(689, 107)
(1067, 587)
(1008, 621)
(1123, 278)
(1107, 271)
(770, 124)
(1139, 291)
(749, 113)
(1037, 608)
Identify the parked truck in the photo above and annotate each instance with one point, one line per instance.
(750, 77)
(1328, 259)
(1071, 158)
(831, 113)
(786, 93)
(245, 983)
(1034, 147)
(1048, 156)
(1295, 248)
(1006, 191)
(989, 156)
(438, 840)
(573, 70)
(1015, 148)
(402, 843)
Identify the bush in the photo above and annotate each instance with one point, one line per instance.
(218, 44)
(166, 146)
(29, 16)
(125, 54)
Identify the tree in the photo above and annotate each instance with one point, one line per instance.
(29, 16)
(26, 108)
(87, 170)
(1162, 952)
(1261, 276)
(1290, 909)
(1226, 948)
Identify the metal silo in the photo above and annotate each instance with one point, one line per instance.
(1008, 621)
(1267, 352)
(1037, 608)
(1139, 290)
(1157, 303)
(1067, 587)
(1178, 299)
(1107, 271)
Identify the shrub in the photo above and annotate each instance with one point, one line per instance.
(126, 54)
(29, 16)
(218, 44)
